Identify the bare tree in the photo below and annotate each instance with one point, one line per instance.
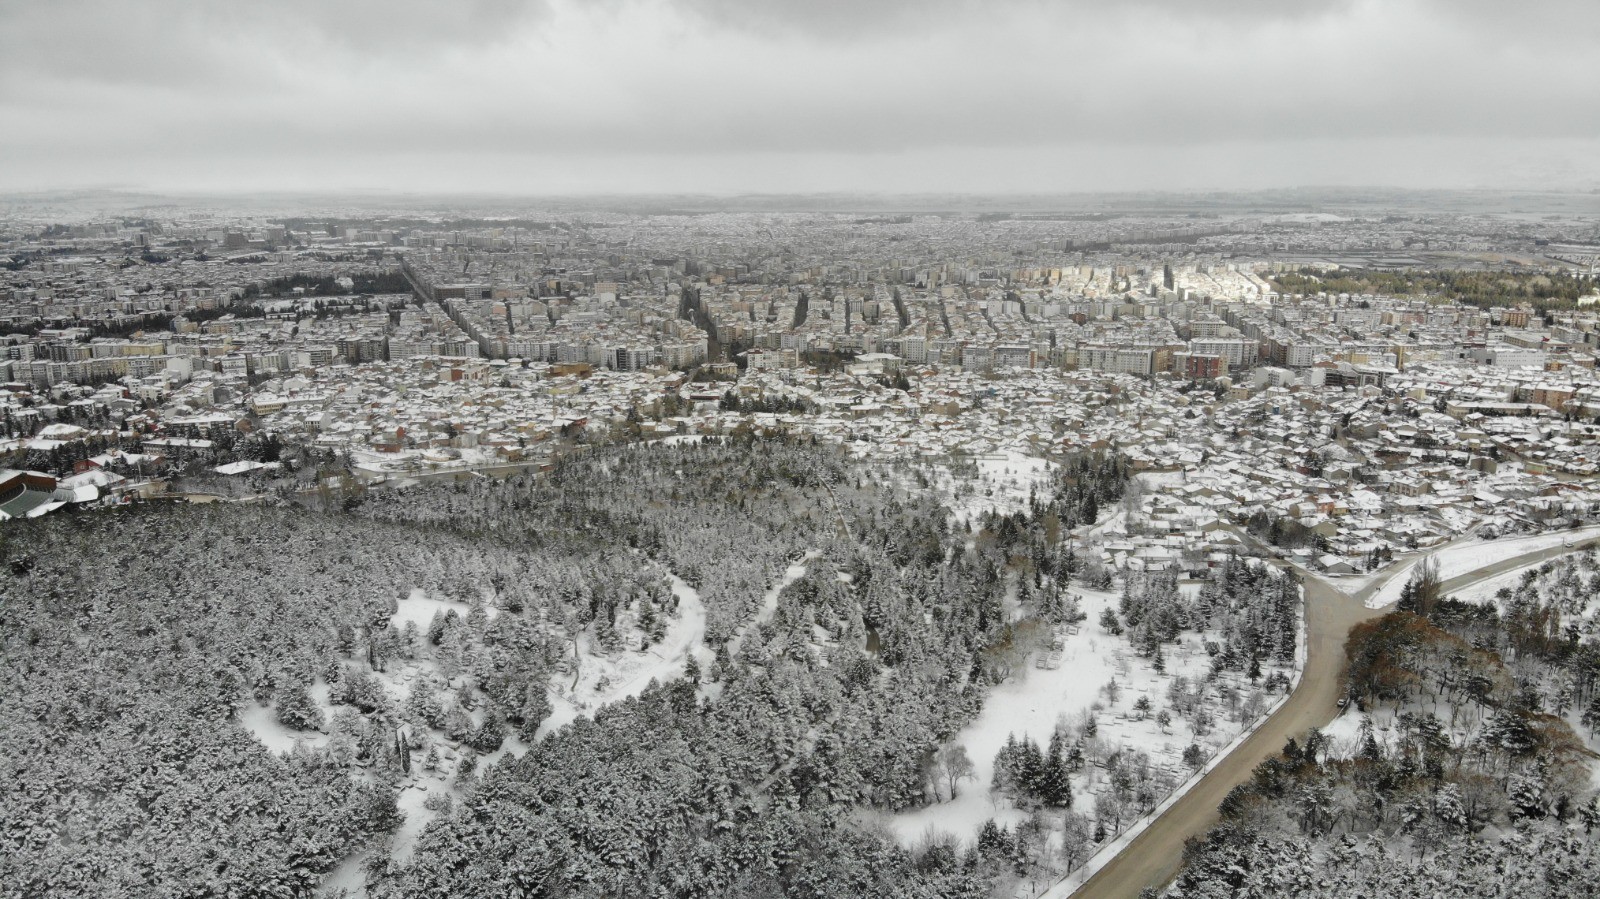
(954, 766)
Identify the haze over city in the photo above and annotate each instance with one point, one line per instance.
(632, 96)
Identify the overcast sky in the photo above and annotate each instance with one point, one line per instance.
(717, 96)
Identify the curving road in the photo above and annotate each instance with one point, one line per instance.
(1153, 858)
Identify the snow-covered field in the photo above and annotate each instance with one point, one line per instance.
(1153, 481)
(1468, 556)
(1484, 590)
(1003, 483)
(419, 608)
(1342, 732)
(1029, 705)
(262, 722)
(1038, 699)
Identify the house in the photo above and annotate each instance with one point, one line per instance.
(1335, 565)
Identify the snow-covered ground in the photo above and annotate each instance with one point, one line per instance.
(1112, 526)
(1037, 699)
(1484, 590)
(1342, 732)
(262, 722)
(1155, 481)
(419, 608)
(1029, 705)
(1465, 557)
(769, 605)
(1003, 483)
(604, 678)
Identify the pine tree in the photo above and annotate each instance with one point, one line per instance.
(1056, 782)
(994, 841)
(1527, 794)
(1590, 814)
(1408, 597)
(296, 709)
(1108, 620)
(402, 752)
(1369, 742)
(1075, 756)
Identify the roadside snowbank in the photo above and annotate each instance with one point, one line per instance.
(1469, 556)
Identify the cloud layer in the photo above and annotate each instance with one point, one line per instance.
(777, 95)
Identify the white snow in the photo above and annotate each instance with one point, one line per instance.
(419, 608)
(1466, 557)
(605, 678)
(1003, 483)
(262, 722)
(769, 603)
(410, 803)
(1485, 590)
(1155, 481)
(665, 660)
(1029, 705)
(1036, 699)
(1342, 733)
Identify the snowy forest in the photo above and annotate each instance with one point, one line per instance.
(701, 669)
(146, 688)
(1460, 768)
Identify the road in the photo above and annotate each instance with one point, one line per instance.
(1512, 564)
(1154, 856)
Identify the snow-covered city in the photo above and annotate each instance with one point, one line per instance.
(692, 449)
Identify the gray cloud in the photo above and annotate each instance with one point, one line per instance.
(859, 20)
(782, 94)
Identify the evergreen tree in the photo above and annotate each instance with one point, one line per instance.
(1108, 620)
(296, 708)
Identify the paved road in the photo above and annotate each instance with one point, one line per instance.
(1154, 856)
(1512, 564)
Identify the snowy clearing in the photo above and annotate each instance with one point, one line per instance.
(1037, 699)
(262, 722)
(1154, 481)
(1029, 705)
(603, 678)
(418, 608)
(1003, 483)
(1485, 590)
